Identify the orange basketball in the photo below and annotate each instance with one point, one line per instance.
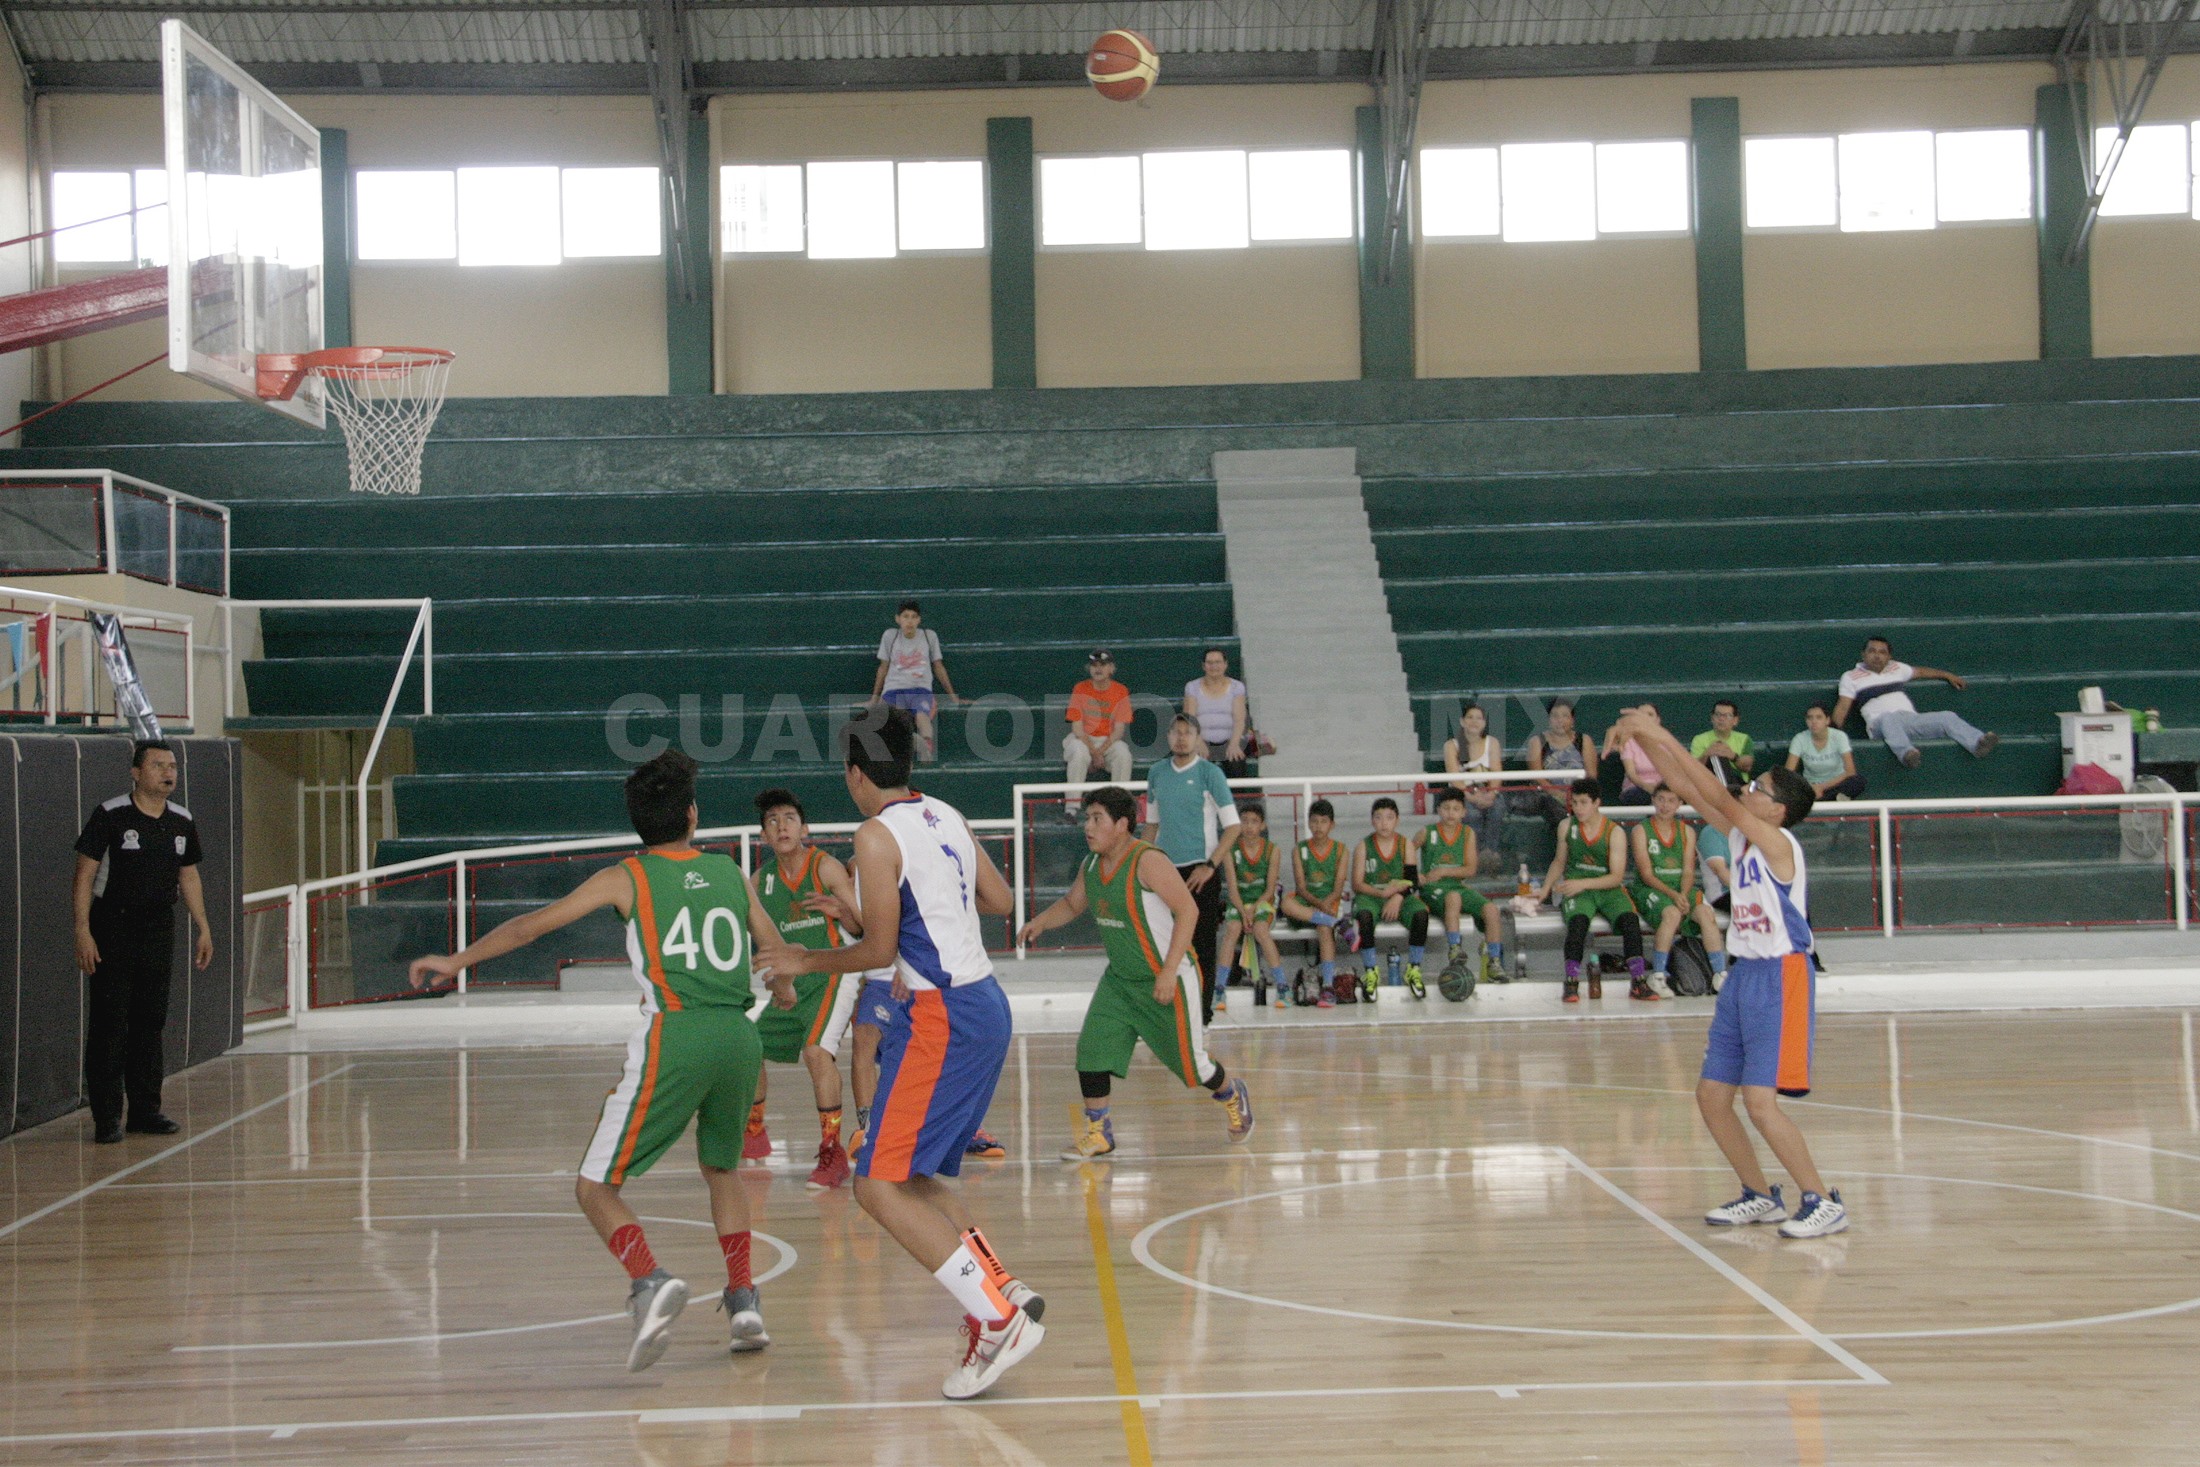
(1122, 66)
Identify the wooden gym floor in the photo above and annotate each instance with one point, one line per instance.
(1463, 1239)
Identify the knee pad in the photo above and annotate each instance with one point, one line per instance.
(1417, 929)
(1366, 923)
(1577, 938)
(1630, 934)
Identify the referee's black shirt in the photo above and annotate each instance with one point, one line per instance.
(139, 855)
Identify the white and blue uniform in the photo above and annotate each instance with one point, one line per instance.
(943, 1049)
(1766, 1022)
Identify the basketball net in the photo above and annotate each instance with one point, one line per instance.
(385, 399)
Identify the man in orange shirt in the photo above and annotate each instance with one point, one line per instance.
(1100, 722)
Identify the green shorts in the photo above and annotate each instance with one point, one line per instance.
(1471, 902)
(1261, 912)
(1123, 1012)
(1373, 906)
(697, 1064)
(1609, 902)
(1653, 905)
(785, 1033)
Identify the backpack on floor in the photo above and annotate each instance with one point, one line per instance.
(1688, 969)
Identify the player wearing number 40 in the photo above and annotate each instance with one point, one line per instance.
(691, 923)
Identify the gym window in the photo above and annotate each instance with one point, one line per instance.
(508, 216)
(1874, 182)
(1543, 192)
(872, 209)
(139, 236)
(1196, 199)
(2155, 174)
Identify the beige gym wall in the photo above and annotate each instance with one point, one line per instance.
(588, 326)
(1278, 313)
(2146, 272)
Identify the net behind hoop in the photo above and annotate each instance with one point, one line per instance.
(385, 406)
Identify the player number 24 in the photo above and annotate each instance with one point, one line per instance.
(681, 943)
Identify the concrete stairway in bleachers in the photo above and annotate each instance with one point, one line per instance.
(1320, 657)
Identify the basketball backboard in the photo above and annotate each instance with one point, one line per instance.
(244, 226)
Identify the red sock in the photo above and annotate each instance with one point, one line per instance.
(632, 1250)
(756, 1117)
(829, 1122)
(736, 1248)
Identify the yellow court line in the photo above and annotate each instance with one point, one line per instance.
(1119, 1339)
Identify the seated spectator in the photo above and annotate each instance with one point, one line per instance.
(1879, 684)
(1319, 886)
(1565, 750)
(1485, 816)
(1822, 755)
(1473, 749)
(1217, 700)
(1639, 777)
(908, 661)
(1100, 718)
(1723, 746)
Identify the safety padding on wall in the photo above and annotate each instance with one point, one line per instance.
(49, 786)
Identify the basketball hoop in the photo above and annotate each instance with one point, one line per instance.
(385, 398)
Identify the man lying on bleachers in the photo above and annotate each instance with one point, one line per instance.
(1879, 684)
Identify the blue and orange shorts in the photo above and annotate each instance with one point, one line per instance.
(936, 1073)
(1765, 1025)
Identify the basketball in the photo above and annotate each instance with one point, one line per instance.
(1122, 66)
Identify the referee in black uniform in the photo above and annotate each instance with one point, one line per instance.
(137, 851)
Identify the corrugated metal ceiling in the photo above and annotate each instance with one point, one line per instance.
(565, 32)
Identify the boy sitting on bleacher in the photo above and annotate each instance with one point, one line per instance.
(1383, 880)
(1664, 890)
(1317, 892)
(1588, 876)
(1447, 857)
(1251, 901)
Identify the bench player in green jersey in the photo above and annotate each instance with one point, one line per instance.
(1588, 877)
(1383, 880)
(1664, 887)
(1252, 900)
(1446, 857)
(1150, 989)
(811, 901)
(1318, 870)
(691, 922)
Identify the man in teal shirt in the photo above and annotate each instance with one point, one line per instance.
(1193, 818)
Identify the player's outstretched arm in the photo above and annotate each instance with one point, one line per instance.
(1158, 876)
(1697, 784)
(878, 873)
(610, 887)
(1062, 913)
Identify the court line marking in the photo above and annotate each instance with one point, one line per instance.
(784, 1262)
(160, 1156)
(1725, 1270)
(1131, 1405)
(678, 1416)
(351, 1181)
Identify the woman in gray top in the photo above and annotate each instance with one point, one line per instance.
(1217, 701)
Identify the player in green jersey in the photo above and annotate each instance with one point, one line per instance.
(1446, 857)
(1664, 885)
(1150, 989)
(691, 924)
(811, 900)
(1383, 881)
(1588, 876)
(1252, 897)
(1318, 869)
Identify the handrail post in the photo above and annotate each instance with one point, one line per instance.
(459, 934)
(171, 540)
(49, 671)
(427, 656)
(2179, 864)
(294, 954)
(229, 660)
(382, 728)
(107, 521)
(1886, 871)
(1018, 865)
(191, 670)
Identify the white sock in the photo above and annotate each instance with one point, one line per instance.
(964, 1277)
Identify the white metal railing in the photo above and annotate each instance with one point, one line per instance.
(108, 557)
(302, 894)
(421, 639)
(53, 636)
(1884, 813)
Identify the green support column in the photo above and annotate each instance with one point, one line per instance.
(691, 317)
(1722, 328)
(336, 237)
(2059, 190)
(1386, 311)
(1011, 178)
